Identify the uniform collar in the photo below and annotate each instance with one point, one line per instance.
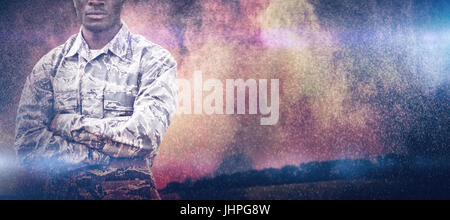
(119, 45)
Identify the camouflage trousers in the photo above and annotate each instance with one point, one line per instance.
(103, 184)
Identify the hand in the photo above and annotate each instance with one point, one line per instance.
(88, 139)
(84, 136)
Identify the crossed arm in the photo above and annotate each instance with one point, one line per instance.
(48, 141)
(133, 136)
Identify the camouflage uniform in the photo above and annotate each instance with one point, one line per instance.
(114, 108)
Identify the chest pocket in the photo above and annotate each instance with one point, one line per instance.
(118, 103)
(66, 102)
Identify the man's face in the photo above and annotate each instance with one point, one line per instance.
(98, 15)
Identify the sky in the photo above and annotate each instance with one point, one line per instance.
(357, 79)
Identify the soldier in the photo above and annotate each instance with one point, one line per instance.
(94, 110)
